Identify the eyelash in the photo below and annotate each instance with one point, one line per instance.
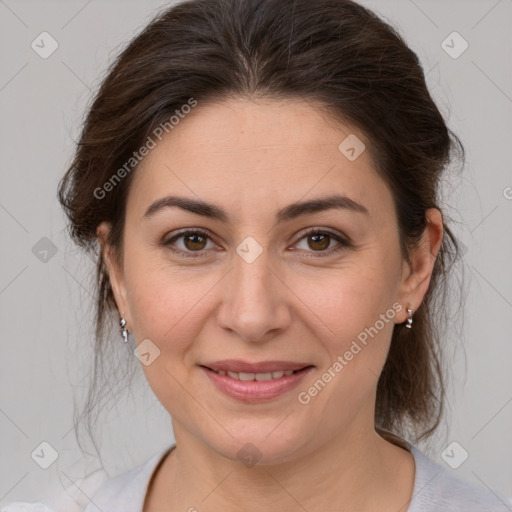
(343, 243)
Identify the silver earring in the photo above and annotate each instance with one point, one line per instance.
(124, 330)
(409, 319)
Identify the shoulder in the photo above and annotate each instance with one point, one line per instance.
(19, 506)
(436, 488)
(127, 491)
(97, 491)
(61, 498)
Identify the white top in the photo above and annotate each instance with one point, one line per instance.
(435, 490)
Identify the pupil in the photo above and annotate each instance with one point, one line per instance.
(192, 239)
(325, 238)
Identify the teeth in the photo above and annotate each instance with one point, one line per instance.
(245, 376)
(262, 376)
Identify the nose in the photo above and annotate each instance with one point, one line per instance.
(254, 301)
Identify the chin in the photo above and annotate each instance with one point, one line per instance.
(258, 447)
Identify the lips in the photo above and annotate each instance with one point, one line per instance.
(255, 382)
(259, 376)
(239, 366)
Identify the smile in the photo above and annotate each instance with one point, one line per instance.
(255, 376)
(252, 387)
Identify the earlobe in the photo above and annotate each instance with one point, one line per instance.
(418, 272)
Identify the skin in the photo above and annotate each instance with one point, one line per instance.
(253, 158)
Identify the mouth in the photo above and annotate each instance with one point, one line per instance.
(260, 376)
(255, 382)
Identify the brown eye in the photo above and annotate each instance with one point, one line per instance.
(194, 242)
(190, 243)
(319, 242)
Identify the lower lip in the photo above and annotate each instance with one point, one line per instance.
(256, 390)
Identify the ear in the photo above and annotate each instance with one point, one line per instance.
(417, 273)
(115, 272)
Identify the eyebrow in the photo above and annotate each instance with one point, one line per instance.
(291, 211)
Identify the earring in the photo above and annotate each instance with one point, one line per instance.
(124, 330)
(409, 319)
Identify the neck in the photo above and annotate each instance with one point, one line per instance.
(355, 471)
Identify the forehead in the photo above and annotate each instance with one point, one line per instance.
(267, 151)
(258, 126)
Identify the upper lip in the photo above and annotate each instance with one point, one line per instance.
(237, 365)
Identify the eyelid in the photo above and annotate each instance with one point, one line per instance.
(185, 231)
(343, 241)
(323, 231)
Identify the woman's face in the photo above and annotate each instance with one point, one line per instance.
(254, 286)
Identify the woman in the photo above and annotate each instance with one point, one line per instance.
(261, 178)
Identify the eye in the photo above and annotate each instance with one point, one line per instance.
(320, 242)
(193, 241)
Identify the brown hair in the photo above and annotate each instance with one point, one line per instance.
(334, 52)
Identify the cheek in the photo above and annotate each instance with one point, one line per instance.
(360, 317)
(353, 299)
(168, 303)
(161, 299)
(363, 324)
(357, 306)
(165, 306)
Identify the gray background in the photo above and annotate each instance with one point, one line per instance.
(45, 312)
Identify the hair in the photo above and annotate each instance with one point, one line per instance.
(335, 53)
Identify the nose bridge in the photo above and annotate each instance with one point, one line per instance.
(251, 272)
(254, 304)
